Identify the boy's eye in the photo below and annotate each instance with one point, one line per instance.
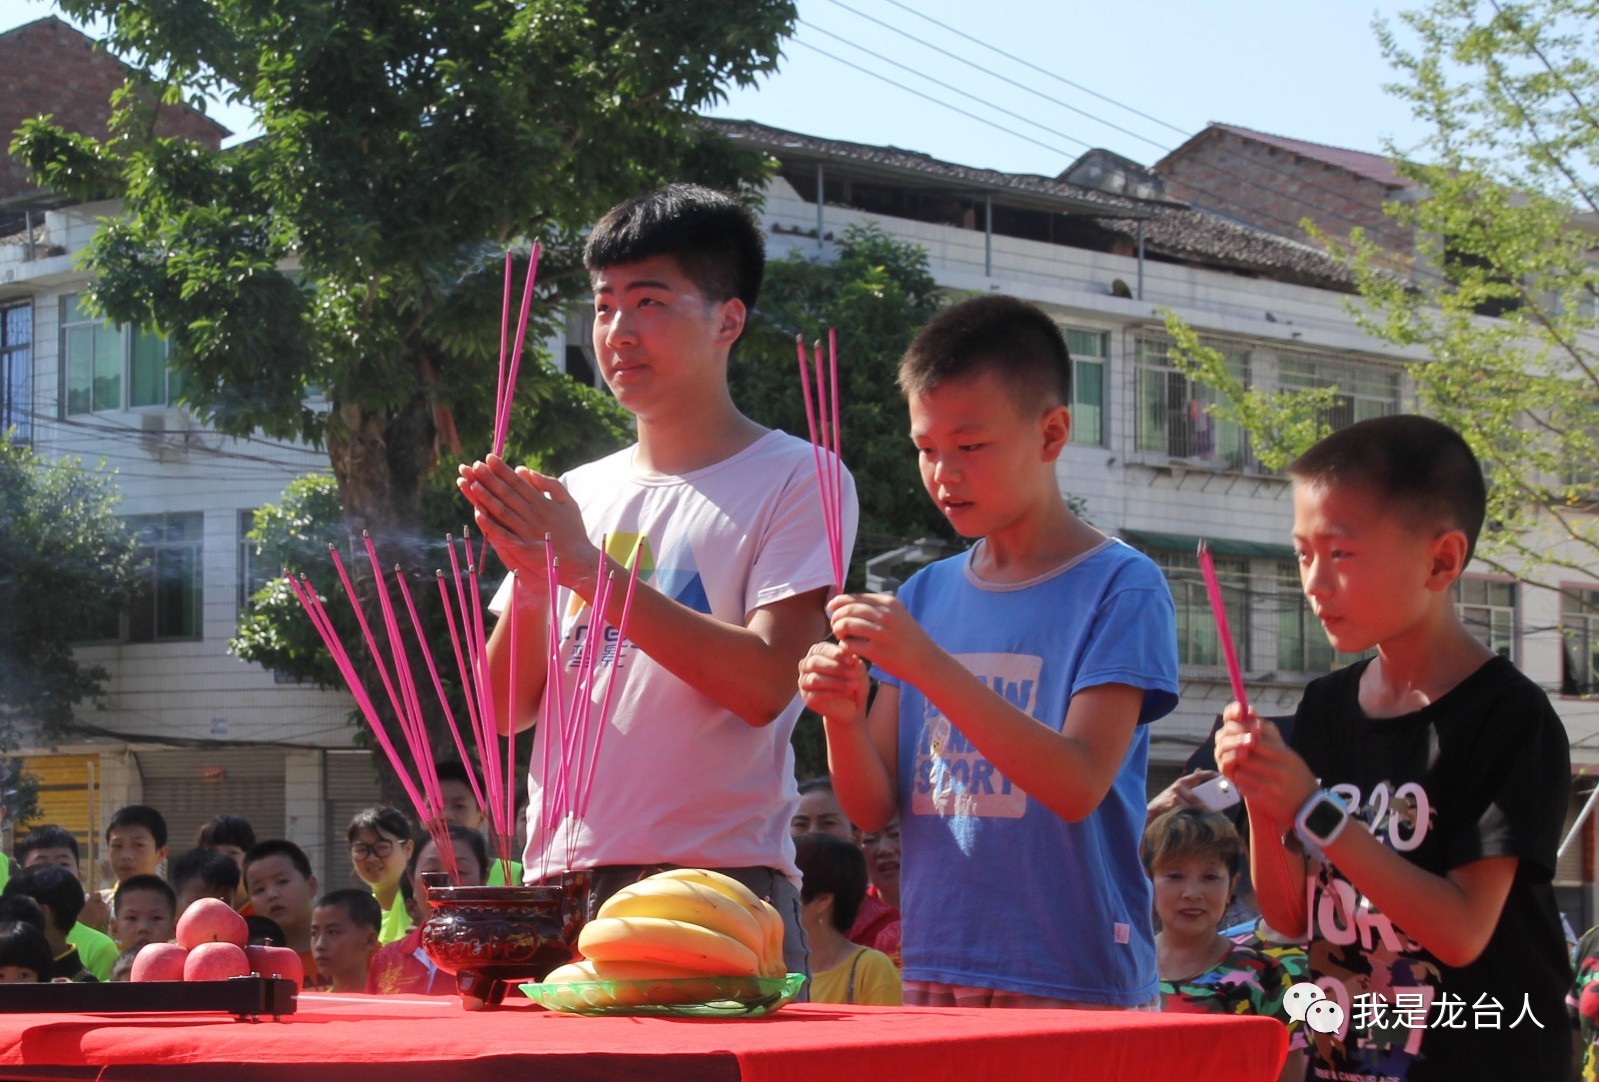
(970, 447)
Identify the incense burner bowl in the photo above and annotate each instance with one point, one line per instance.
(493, 937)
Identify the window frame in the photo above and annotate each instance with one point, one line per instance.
(152, 552)
(1587, 630)
(1512, 611)
(1080, 362)
(129, 343)
(16, 371)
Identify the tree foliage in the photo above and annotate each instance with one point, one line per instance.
(1496, 304)
(66, 561)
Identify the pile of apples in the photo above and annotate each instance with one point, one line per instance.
(213, 945)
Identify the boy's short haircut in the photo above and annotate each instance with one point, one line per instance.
(264, 931)
(454, 770)
(20, 907)
(715, 239)
(154, 884)
(140, 815)
(1421, 470)
(363, 909)
(213, 868)
(21, 944)
(833, 866)
(1016, 341)
(227, 830)
(54, 887)
(278, 847)
(380, 819)
(48, 836)
(1184, 833)
(819, 784)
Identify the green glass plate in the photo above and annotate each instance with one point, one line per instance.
(688, 997)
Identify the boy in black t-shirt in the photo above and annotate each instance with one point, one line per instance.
(1431, 919)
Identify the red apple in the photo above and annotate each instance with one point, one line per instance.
(211, 920)
(215, 962)
(159, 962)
(277, 962)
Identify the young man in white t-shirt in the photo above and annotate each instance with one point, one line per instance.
(695, 769)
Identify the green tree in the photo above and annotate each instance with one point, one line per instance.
(55, 582)
(1497, 302)
(878, 293)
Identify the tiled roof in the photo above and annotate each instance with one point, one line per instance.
(1172, 230)
(1371, 166)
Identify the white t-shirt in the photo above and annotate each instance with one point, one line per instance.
(680, 779)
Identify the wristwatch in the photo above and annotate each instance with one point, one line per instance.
(1321, 819)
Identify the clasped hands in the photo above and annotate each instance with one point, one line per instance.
(868, 627)
(517, 510)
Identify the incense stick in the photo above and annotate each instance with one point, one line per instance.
(1218, 610)
(587, 786)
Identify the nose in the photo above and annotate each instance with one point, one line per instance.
(1316, 577)
(614, 329)
(945, 470)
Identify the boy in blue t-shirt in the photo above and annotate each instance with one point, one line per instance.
(1009, 732)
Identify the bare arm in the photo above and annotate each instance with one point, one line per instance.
(862, 745)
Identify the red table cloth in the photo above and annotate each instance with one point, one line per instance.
(397, 1038)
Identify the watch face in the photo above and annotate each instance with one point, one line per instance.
(1323, 818)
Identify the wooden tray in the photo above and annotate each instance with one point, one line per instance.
(245, 997)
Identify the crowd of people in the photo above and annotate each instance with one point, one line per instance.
(994, 715)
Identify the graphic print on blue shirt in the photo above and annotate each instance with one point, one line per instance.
(953, 777)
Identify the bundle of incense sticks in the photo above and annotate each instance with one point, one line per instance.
(1207, 567)
(505, 382)
(568, 721)
(826, 444)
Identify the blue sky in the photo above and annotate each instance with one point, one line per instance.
(1295, 68)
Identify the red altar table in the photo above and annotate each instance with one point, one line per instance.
(397, 1038)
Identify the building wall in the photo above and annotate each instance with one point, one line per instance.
(1274, 189)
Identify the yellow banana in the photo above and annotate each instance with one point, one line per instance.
(694, 903)
(772, 955)
(626, 984)
(590, 970)
(667, 942)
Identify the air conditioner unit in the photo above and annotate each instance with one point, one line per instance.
(164, 433)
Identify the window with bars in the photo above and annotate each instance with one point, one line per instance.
(253, 574)
(1488, 609)
(1173, 413)
(1365, 390)
(1090, 350)
(1579, 631)
(16, 372)
(107, 367)
(1197, 642)
(167, 605)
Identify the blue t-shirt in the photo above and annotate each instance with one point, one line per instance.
(998, 891)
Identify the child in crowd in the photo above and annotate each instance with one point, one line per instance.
(233, 835)
(819, 813)
(460, 806)
(1193, 858)
(204, 873)
(878, 924)
(1409, 829)
(24, 954)
(136, 840)
(380, 849)
(54, 845)
(1010, 729)
(722, 516)
(60, 896)
(281, 887)
(833, 884)
(146, 912)
(344, 936)
(403, 966)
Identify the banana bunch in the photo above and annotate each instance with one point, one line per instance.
(691, 921)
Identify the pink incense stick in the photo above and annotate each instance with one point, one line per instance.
(412, 724)
(438, 687)
(553, 694)
(504, 840)
(461, 669)
(1218, 610)
(593, 652)
(838, 458)
(505, 333)
(479, 650)
(371, 641)
(587, 787)
(502, 414)
(822, 472)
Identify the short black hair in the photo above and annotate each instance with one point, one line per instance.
(459, 835)
(278, 847)
(215, 870)
(227, 830)
(820, 783)
(363, 908)
(23, 908)
(1421, 470)
(140, 815)
(380, 819)
(456, 771)
(48, 836)
(714, 238)
(152, 883)
(265, 932)
(54, 888)
(21, 944)
(1016, 341)
(832, 866)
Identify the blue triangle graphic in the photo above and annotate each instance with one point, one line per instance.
(693, 595)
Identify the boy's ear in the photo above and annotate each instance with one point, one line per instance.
(1448, 560)
(1056, 428)
(311, 881)
(734, 314)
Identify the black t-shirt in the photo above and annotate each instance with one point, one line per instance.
(1482, 772)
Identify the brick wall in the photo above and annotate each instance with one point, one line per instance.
(48, 67)
(1275, 189)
